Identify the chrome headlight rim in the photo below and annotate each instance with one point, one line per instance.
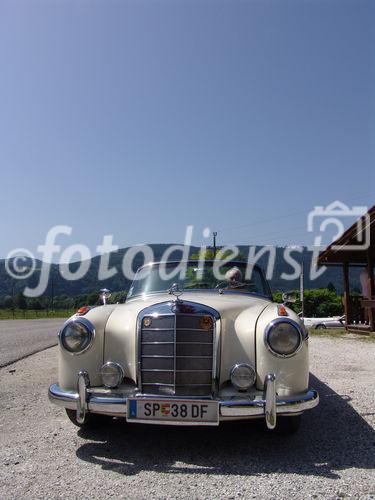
(242, 365)
(297, 327)
(120, 371)
(89, 327)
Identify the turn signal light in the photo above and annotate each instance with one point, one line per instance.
(281, 311)
(82, 310)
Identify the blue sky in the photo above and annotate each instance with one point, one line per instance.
(137, 118)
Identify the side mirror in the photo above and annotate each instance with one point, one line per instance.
(104, 295)
(289, 298)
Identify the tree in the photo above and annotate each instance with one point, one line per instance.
(21, 301)
(8, 302)
(209, 254)
(319, 303)
(35, 304)
(92, 299)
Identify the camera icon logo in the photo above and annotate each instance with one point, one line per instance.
(335, 215)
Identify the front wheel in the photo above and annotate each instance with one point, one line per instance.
(321, 326)
(92, 420)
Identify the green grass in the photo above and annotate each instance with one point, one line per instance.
(33, 314)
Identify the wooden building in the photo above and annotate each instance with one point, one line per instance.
(356, 247)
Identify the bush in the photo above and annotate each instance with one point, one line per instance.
(319, 302)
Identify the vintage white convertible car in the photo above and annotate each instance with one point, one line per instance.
(190, 350)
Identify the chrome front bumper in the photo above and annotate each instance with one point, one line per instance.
(85, 400)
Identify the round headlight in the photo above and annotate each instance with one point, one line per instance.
(77, 335)
(283, 337)
(112, 374)
(242, 376)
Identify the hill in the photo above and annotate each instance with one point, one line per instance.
(89, 283)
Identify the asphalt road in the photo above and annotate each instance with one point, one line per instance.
(42, 455)
(19, 338)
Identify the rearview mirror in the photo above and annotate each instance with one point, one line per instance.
(289, 298)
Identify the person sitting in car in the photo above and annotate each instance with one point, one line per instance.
(234, 279)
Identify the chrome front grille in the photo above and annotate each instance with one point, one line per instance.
(176, 353)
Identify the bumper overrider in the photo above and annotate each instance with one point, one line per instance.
(86, 400)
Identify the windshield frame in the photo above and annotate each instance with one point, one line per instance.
(265, 283)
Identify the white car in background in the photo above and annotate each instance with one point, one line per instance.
(323, 323)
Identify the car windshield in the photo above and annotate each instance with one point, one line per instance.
(229, 277)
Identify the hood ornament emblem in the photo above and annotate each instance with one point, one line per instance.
(176, 290)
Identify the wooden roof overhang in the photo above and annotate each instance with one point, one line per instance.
(338, 252)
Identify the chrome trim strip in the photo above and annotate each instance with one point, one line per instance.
(195, 343)
(155, 370)
(196, 357)
(176, 371)
(138, 343)
(174, 352)
(150, 329)
(192, 371)
(194, 329)
(270, 404)
(155, 343)
(192, 385)
(214, 344)
(158, 384)
(156, 356)
(208, 309)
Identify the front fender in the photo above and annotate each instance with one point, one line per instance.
(292, 374)
(237, 330)
(90, 360)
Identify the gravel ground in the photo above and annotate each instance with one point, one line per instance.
(333, 456)
(19, 338)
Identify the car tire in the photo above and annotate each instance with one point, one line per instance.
(288, 425)
(321, 326)
(92, 420)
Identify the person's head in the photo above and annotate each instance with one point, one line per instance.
(234, 275)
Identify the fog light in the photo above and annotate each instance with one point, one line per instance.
(242, 376)
(112, 374)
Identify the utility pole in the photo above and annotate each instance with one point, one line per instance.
(301, 291)
(214, 235)
(13, 304)
(52, 291)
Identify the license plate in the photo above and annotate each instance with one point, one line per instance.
(164, 411)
